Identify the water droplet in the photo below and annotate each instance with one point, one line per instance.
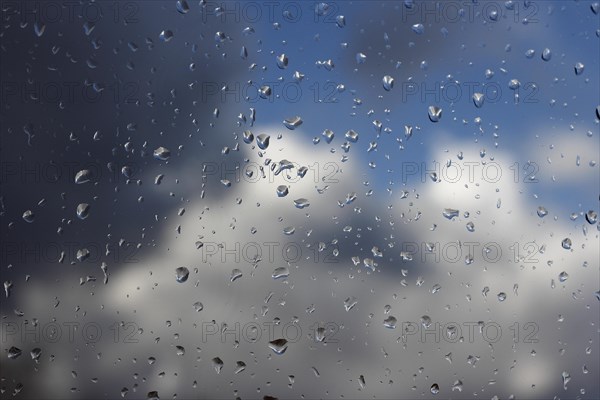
(162, 153)
(14, 352)
(39, 28)
(514, 84)
(217, 364)
(419, 29)
(289, 230)
(349, 303)
(501, 296)
(563, 276)
(282, 191)
(35, 353)
(83, 176)
(352, 136)
(566, 377)
(182, 6)
(566, 243)
(435, 113)
(591, 217)
(166, 35)
(182, 274)
(282, 61)
(328, 135)
(542, 212)
(450, 213)
(28, 216)
(293, 122)
(198, 306)
(470, 226)
(301, 203)
(262, 141)
(435, 389)
(388, 82)
(235, 274)
(546, 54)
(579, 67)
(83, 210)
(279, 346)
(478, 99)
(390, 322)
(361, 58)
(361, 381)
(281, 272)
(426, 321)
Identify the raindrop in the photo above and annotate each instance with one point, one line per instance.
(182, 274)
(501, 296)
(162, 153)
(14, 352)
(301, 203)
(28, 216)
(328, 135)
(182, 6)
(418, 29)
(478, 99)
(198, 306)
(390, 322)
(282, 61)
(166, 35)
(563, 276)
(542, 212)
(83, 210)
(546, 54)
(566, 243)
(579, 67)
(279, 346)
(435, 389)
(281, 272)
(282, 191)
(349, 303)
(217, 364)
(435, 113)
(235, 274)
(292, 123)
(470, 226)
(388, 82)
(450, 213)
(262, 141)
(591, 217)
(83, 176)
(352, 136)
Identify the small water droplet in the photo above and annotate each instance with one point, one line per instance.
(546, 54)
(235, 274)
(390, 322)
(29, 216)
(478, 99)
(450, 213)
(282, 61)
(566, 243)
(301, 203)
(262, 141)
(166, 35)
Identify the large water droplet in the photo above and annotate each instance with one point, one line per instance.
(566, 243)
(162, 153)
(388, 82)
(301, 203)
(478, 99)
(450, 213)
(182, 274)
(293, 122)
(262, 141)
(281, 272)
(166, 35)
(435, 113)
(591, 217)
(390, 322)
(579, 67)
(282, 191)
(352, 136)
(83, 176)
(282, 61)
(546, 54)
(279, 346)
(83, 210)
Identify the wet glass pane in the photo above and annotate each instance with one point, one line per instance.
(350, 199)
